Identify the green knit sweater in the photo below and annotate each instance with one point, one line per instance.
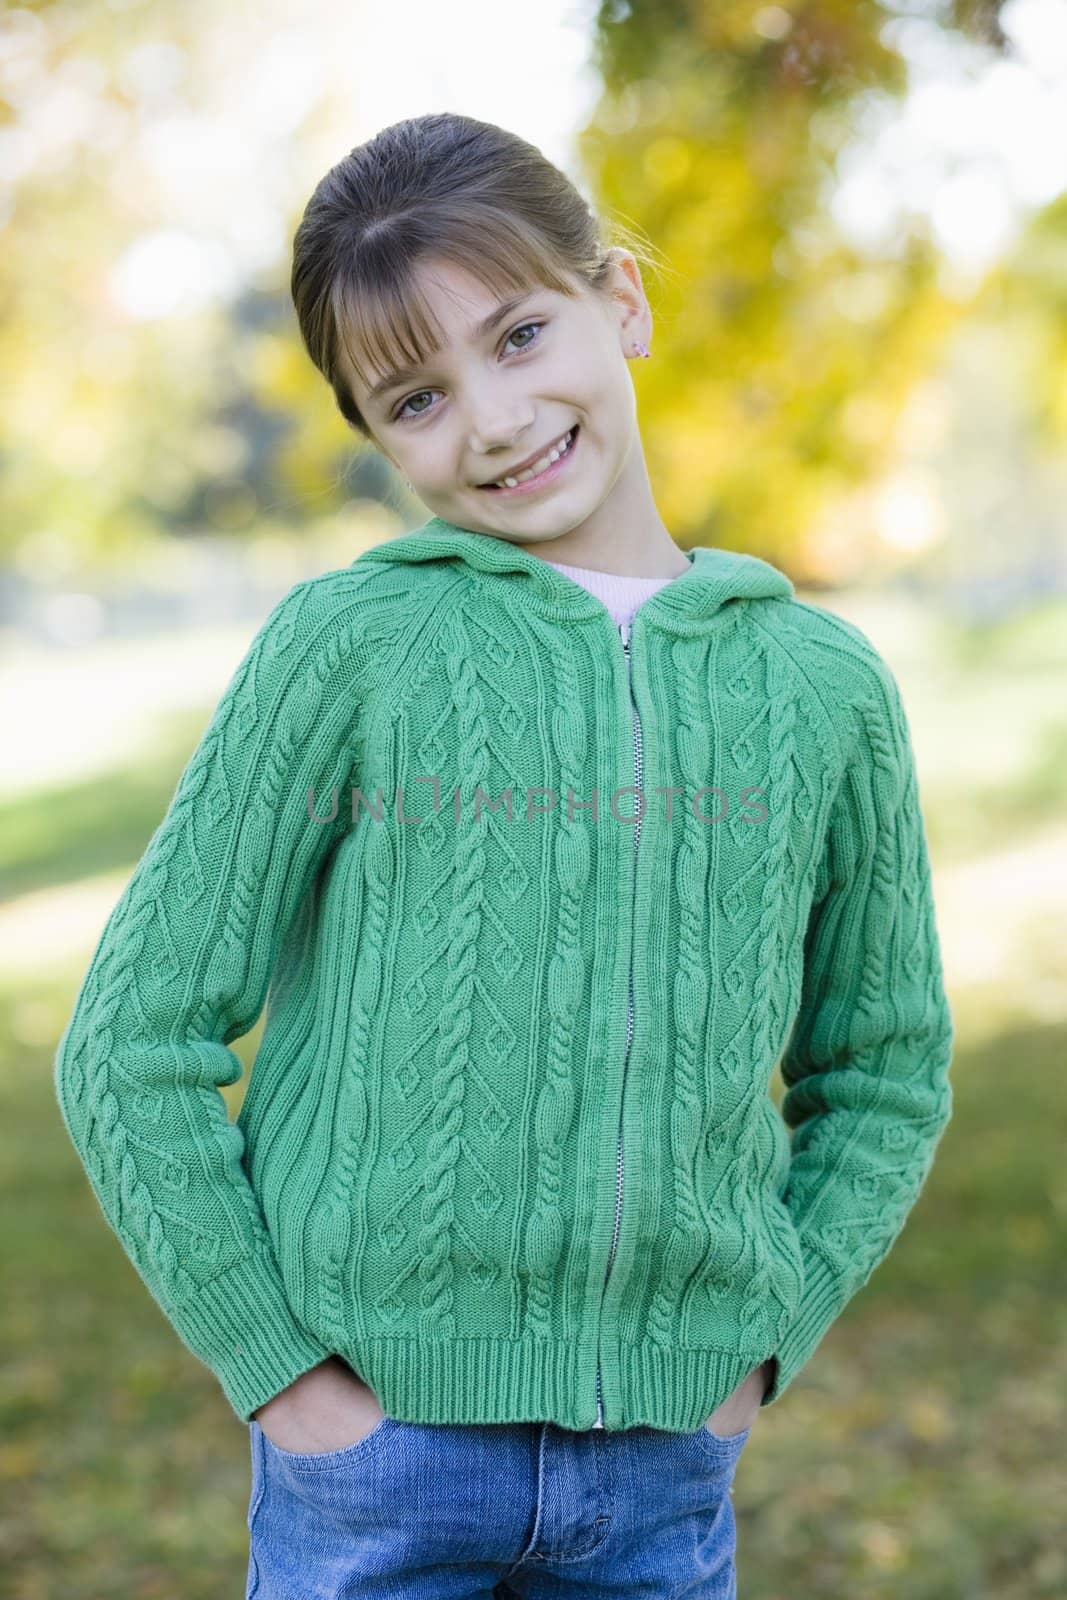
(508, 1145)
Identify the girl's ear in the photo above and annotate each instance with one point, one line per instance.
(629, 303)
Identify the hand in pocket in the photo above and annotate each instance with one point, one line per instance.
(326, 1409)
(741, 1407)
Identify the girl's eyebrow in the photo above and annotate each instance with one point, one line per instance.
(404, 374)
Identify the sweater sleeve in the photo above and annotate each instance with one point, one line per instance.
(866, 1065)
(182, 968)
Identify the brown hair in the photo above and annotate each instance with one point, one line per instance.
(444, 186)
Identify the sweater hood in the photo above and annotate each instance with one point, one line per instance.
(717, 577)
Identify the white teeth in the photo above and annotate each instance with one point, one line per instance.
(554, 454)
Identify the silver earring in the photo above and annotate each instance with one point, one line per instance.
(642, 350)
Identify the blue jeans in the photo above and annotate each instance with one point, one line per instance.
(456, 1511)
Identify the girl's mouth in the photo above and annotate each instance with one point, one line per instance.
(542, 479)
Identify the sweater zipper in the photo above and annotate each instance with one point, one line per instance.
(624, 630)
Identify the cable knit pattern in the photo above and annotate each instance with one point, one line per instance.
(690, 994)
(545, 1233)
(407, 833)
(436, 1265)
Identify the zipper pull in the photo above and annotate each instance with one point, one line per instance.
(624, 629)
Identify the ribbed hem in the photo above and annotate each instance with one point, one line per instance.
(491, 1380)
(819, 1307)
(242, 1326)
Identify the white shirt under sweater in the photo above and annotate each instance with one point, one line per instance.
(622, 596)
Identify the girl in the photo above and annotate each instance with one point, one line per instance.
(550, 839)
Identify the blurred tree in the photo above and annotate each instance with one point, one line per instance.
(139, 354)
(783, 354)
(719, 128)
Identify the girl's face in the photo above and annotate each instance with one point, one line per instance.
(508, 385)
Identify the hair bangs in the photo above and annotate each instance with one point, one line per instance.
(381, 314)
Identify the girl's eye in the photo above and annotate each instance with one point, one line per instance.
(398, 414)
(522, 329)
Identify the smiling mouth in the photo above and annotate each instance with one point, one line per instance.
(529, 479)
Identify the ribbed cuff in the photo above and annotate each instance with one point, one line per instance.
(242, 1326)
(820, 1305)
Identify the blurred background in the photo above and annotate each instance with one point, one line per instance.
(859, 373)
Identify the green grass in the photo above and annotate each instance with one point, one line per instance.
(66, 833)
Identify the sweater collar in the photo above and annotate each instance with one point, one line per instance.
(685, 605)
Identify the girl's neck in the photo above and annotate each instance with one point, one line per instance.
(624, 534)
